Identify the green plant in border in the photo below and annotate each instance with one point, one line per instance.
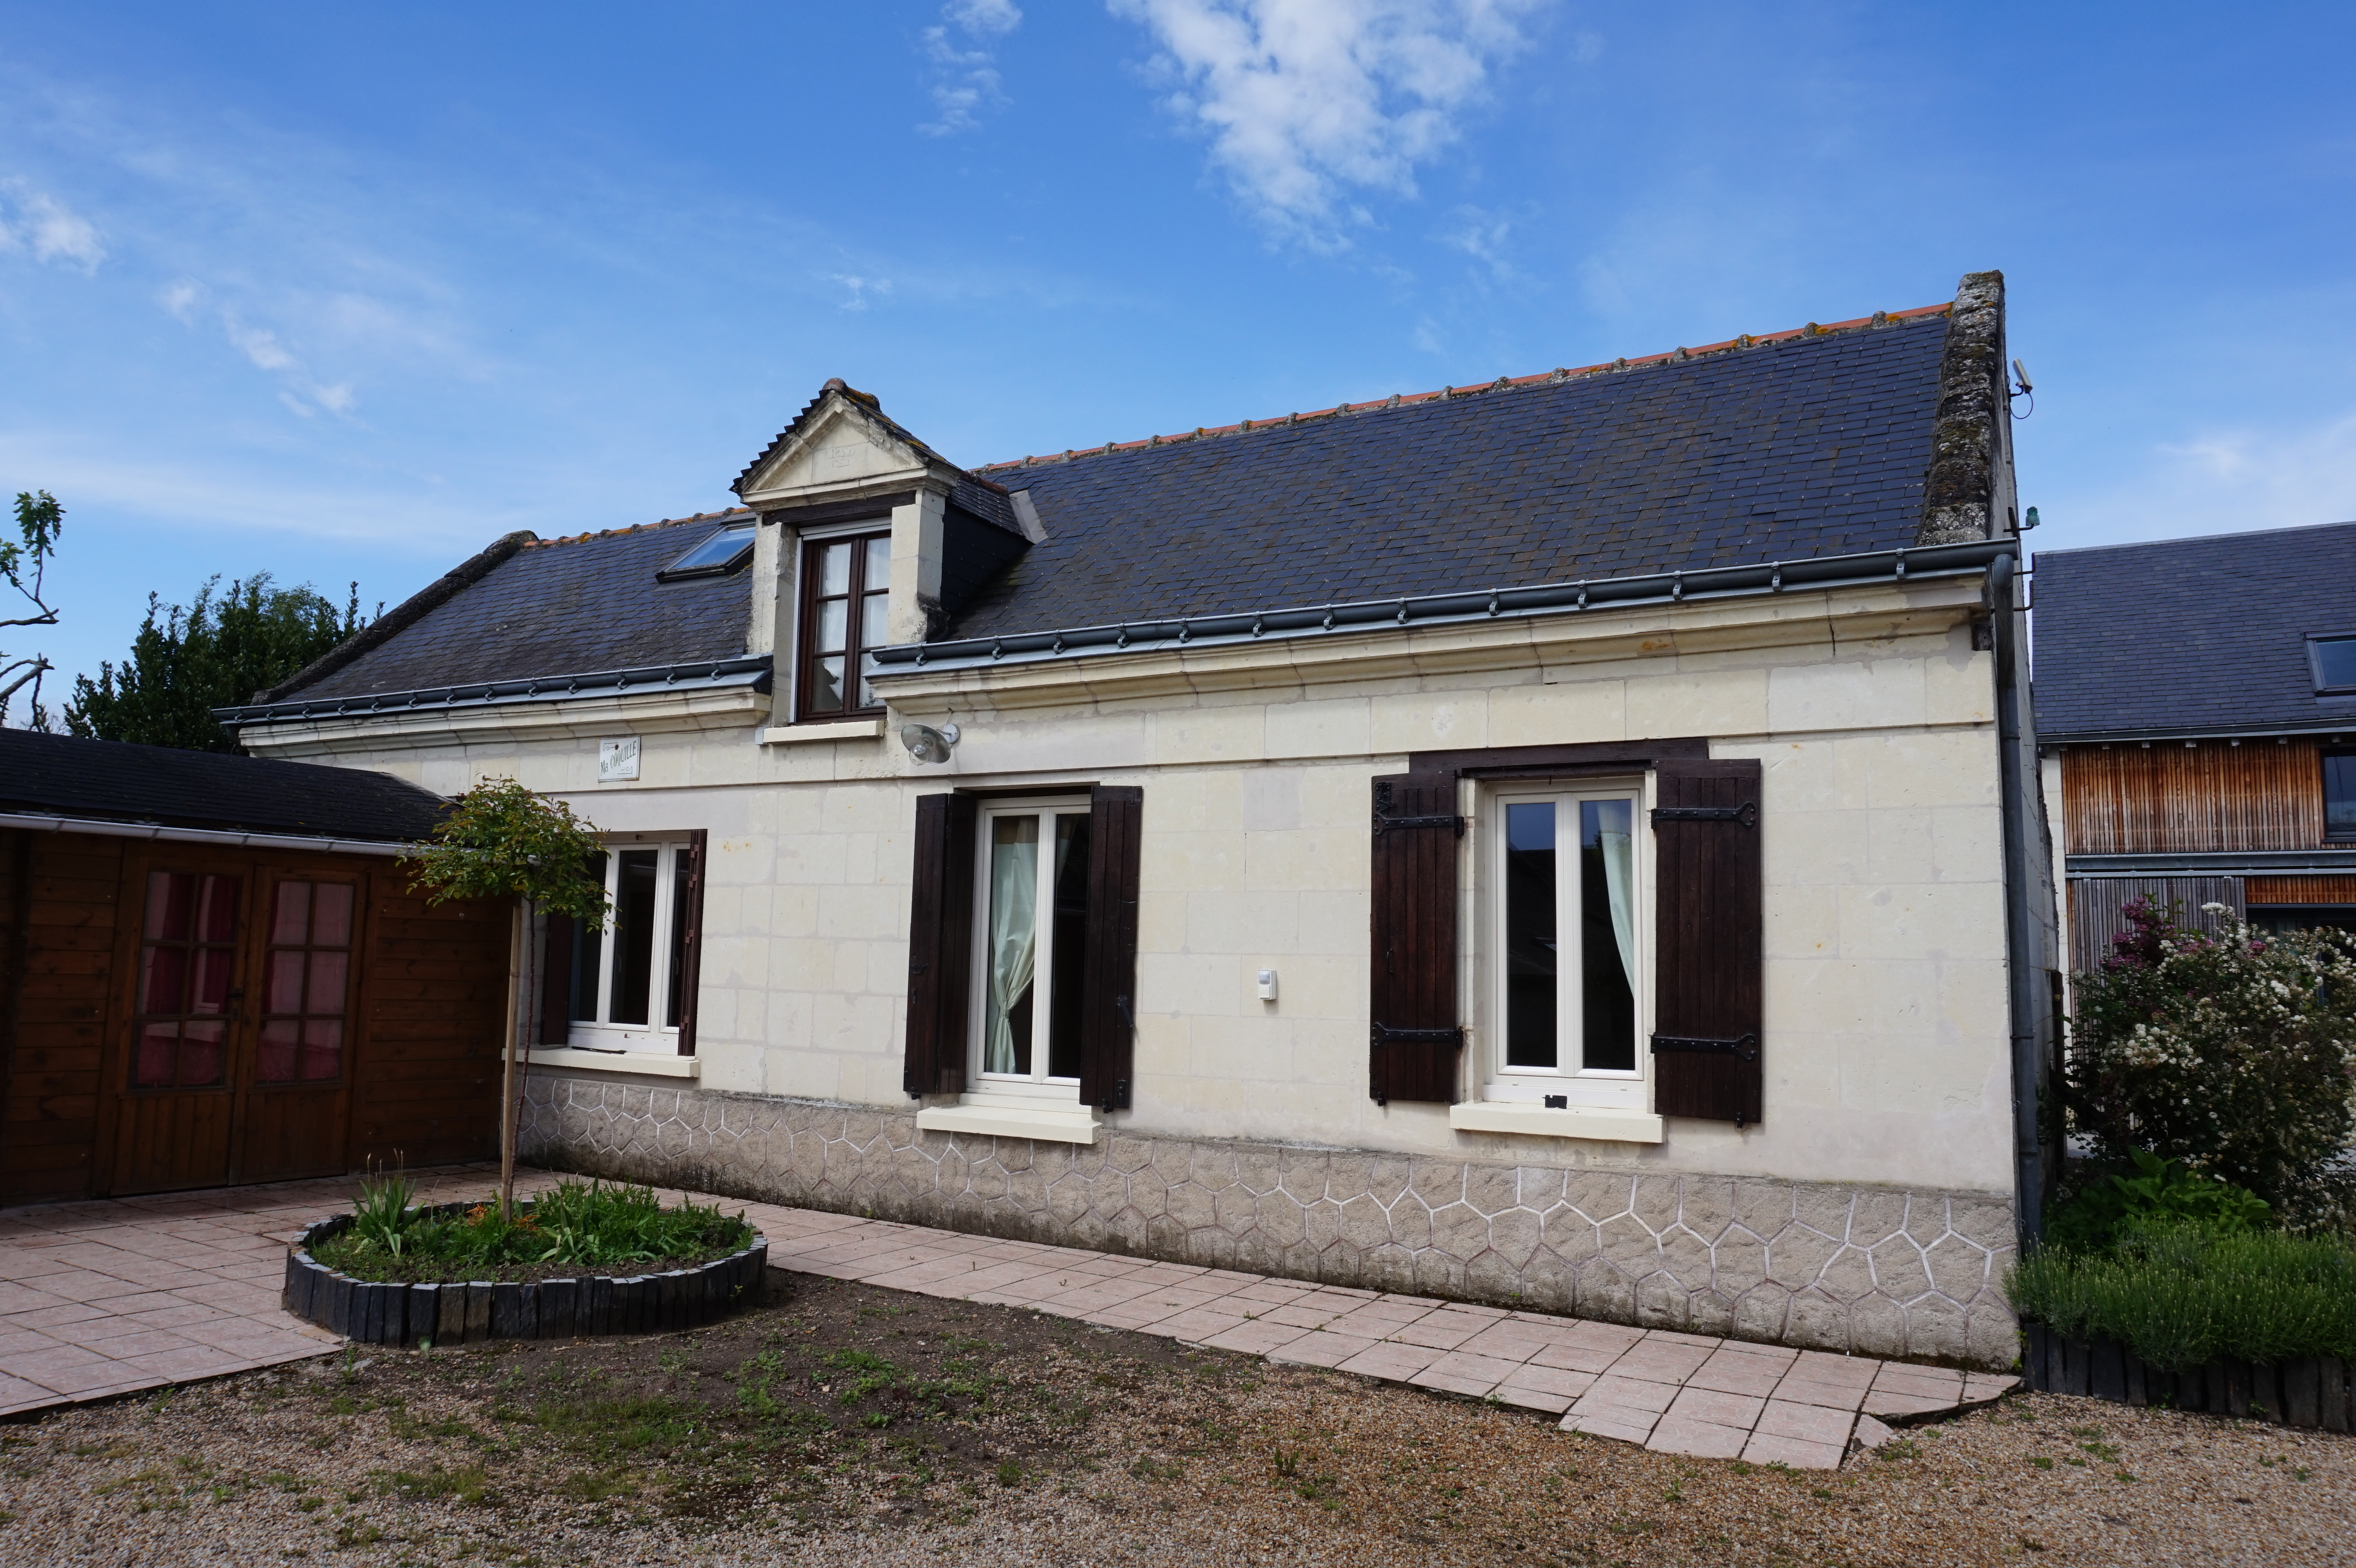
(2232, 1050)
(2159, 1189)
(2180, 1294)
(501, 841)
(380, 1213)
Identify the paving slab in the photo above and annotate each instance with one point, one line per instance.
(103, 1297)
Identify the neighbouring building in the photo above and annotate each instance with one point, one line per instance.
(212, 971)
(2196, 707)
(1570, 840)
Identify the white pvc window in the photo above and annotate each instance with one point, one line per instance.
(628, 980)
(1567, 916)
(1030, 894)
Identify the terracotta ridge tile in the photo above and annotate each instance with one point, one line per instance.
(1469, 389)
(718, 517)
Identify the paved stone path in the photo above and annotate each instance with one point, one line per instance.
(106, 1297)
(1679, 1394)
(118, 1295)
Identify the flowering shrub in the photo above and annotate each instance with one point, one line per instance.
(2232, 1051)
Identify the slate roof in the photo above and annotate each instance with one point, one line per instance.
(1815, 445)
(1807, 443)
(59, 775)
(565, 606)
(2191, 636)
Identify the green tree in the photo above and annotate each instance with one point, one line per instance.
(500, 840)
(188, 660)
(39, 521)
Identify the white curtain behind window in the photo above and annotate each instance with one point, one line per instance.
(1619, 884)
(1013, 933)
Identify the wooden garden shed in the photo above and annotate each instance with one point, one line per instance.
(213, 971)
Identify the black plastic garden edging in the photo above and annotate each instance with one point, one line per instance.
(468, 1311)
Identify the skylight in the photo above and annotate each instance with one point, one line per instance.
(2333, 660)
(719, 554)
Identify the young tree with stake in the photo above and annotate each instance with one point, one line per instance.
(500, 840)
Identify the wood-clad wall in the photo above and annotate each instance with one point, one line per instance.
(2170, 798)
(61, 903)
(2096, 903)
(423, 1057)
(427, 1086)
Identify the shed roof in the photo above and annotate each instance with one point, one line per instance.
(62, 775)
(2191, 636)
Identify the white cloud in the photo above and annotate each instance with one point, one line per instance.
(47, 227)
(1305, 101)
(2219, 481)
(966, 82)
(858, 289)
(300, 393)
(182, 299)
(983, 16)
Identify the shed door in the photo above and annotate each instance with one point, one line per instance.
(238, 1049)
(294, 1097)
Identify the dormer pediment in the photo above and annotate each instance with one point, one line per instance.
(841, 445)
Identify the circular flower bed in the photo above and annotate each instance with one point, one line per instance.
(416, 1308)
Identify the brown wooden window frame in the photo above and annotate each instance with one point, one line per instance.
(806, 626)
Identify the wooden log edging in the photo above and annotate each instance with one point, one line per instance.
(463, 1312)
(2312, 1391)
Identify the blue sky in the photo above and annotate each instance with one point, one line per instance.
(344, 292)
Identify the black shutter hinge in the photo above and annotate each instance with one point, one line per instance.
(1385, 821)
(1385, 1034)
(1745, 1046)
(1746, 813)
(1116, 1098)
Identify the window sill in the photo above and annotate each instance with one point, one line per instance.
(1055, 1125)
(647, 1063)
(808, 734)
(1540, 1121)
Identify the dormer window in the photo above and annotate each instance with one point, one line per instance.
(720, 553)
(845, 583)
(2332, 661)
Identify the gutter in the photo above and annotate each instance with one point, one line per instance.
(703, 675)
(2022, 972)
(2214, 863)
(1246, 626)
(2302, 729)
(226, 840)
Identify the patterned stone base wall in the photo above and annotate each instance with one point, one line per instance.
(1870, 1270)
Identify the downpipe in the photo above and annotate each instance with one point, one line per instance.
(2022, 972)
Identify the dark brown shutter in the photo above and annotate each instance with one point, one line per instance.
(1416, 1034)
(1108, 1000)
(1706, 1040)
(941, 937)
(691, 963)
(556, 983)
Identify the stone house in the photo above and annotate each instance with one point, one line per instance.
(1572, 840)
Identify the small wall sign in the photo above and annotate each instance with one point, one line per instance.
(617, 761)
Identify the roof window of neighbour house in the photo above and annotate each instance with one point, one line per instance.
(718, 555)
(2333, 663)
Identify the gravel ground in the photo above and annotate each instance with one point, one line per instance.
(840, 1423)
